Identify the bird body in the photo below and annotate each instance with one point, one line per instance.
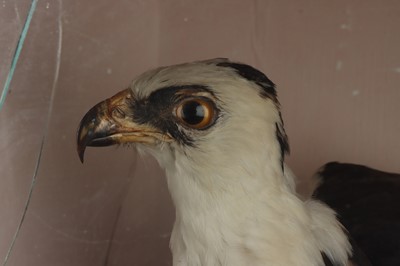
(215, 127)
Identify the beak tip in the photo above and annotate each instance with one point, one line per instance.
(81, 153)
(81, 158)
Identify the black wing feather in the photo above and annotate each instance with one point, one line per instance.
(368, 204)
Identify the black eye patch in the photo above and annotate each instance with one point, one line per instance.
(157, 110)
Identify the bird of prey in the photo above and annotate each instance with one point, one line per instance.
(215, 127)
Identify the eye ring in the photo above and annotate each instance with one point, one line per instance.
(196, 113)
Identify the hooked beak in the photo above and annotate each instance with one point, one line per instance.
(110, 122)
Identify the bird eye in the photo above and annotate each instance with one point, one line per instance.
(196, 113)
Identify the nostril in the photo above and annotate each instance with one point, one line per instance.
(117, 112)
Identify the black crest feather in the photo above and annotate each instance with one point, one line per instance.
(267, 91)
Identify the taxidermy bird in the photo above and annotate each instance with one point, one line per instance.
(215, 127)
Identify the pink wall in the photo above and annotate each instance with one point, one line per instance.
(337, 67)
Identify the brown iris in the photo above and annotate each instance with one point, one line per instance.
(196, 113)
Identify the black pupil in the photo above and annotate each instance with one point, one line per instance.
(192, 113)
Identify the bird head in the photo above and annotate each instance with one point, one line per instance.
(205, 117)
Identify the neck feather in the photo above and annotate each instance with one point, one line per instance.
(249, 223)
